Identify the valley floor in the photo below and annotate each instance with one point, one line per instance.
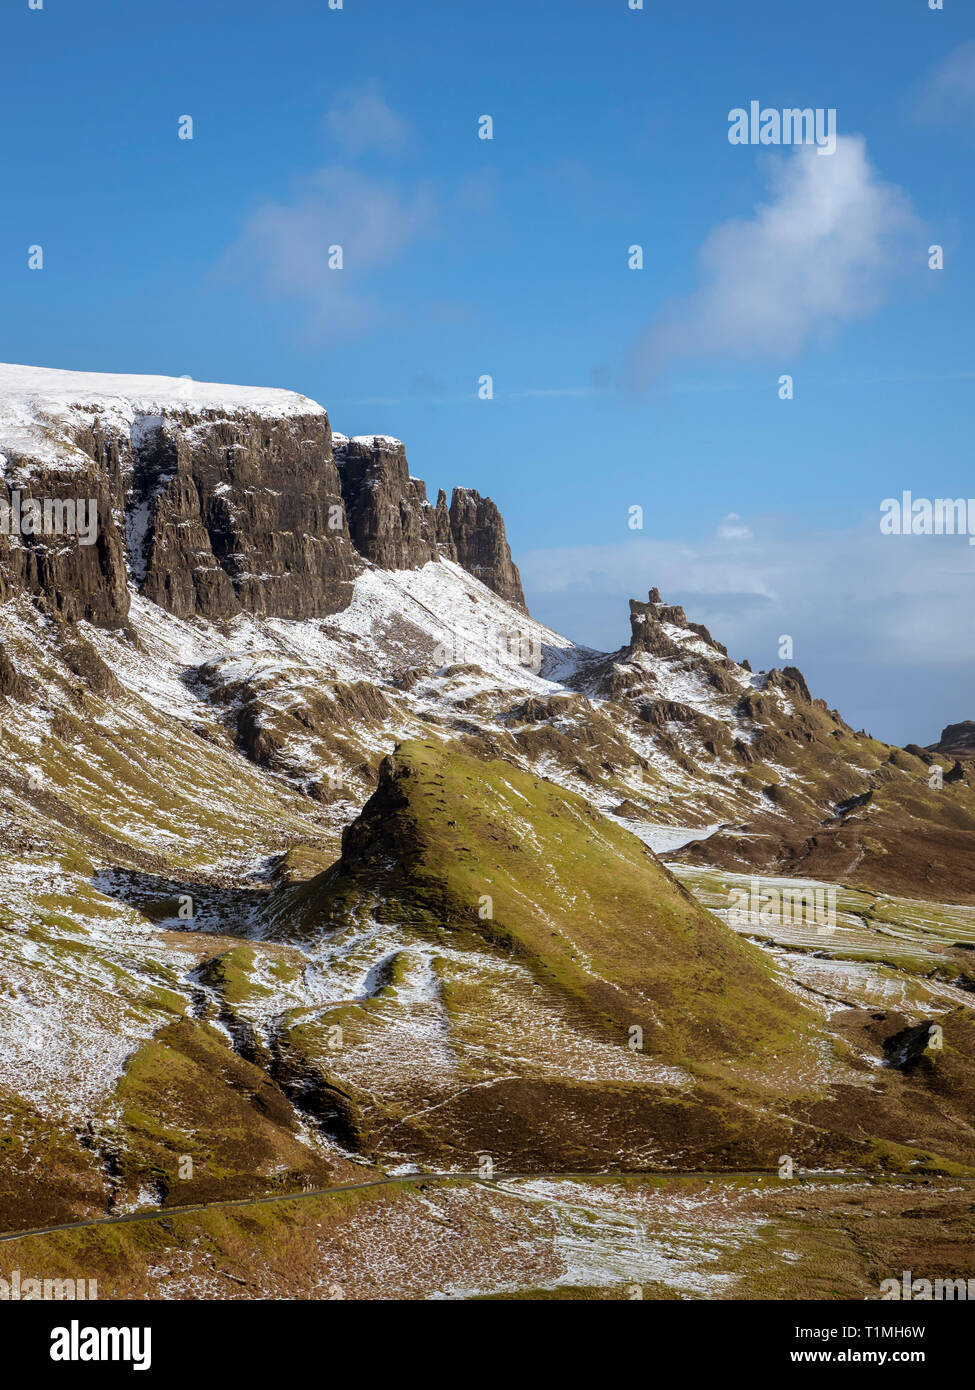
(366, 1231)
(723, 1236)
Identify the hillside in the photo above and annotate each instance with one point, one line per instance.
(326, 862)
(455, 845)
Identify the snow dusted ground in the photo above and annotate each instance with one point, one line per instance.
(83, 959)
(395, 619)
(472, 659)
(596, 1237)
(40, 405)
(844, 964)
(664, 839)
(80, 997)
(76, 996)
(452, 614)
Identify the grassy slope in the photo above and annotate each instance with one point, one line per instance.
(112, 783)
(737, 1238)
(583, 901)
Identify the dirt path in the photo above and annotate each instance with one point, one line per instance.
(161, 1213)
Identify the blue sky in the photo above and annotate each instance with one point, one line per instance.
(613, 387)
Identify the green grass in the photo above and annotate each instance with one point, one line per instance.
(576, 897)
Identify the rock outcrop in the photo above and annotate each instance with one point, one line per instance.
(445, 536)
(390, 520)
(482, 546)
(957, 740)
(646, 628)
(240, 514)
(393, 524)
(647, 632)
(217, 500)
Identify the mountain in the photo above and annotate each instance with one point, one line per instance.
(218, 503)
(219, 500)
(326, 863)
(957, 741)
(446, 844)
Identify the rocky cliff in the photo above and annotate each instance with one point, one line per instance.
(80, 581)
(482, 546)
(390, 519)
(228, 514)
(217, 500)
(957, 740)
(393, 524)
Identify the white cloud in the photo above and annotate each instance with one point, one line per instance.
(360, 120)
(732, 528)
(883, 625)
(820, 252)
(287, 244)
(947, 93)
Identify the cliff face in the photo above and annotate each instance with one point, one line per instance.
(393, 524)
(390, 520)
(80, 581)
(229, 515)
(482, 546)
(957, 740)
(215, 501)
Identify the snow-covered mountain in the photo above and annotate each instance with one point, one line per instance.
(215, 856)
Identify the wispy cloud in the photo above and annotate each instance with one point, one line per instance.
(289, 245)
(732, 528)
(361, 120)
(326, 245)
(946, 95)
(790, 575)
(820, 252)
